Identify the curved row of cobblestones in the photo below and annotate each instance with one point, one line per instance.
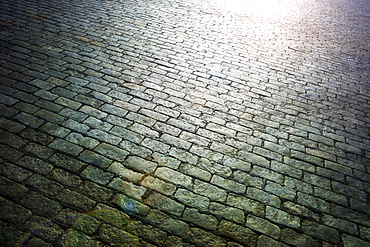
(184, 123)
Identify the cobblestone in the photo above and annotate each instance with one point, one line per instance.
(158, 185)
(228, 184)
(173, 176)
(65, 177)
(40, 205)
(282, 217)
(237, 232)
(35, 164)
(191, 199)
(66, 147)
(44, 185)
(206, 221)
(320, 231)
(167, 223)
(54, 130)
(49, 233)
(292, 237)
(97, 175)
(64, 162)
(246, 204)
(263, 226)
(76, 200)
(172, 123)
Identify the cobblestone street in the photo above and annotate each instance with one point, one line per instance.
(185, 123)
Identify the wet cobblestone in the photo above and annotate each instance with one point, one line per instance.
(184, 123)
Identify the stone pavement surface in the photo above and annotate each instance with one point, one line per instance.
(185, 123)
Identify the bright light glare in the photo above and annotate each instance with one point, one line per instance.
(264, 8)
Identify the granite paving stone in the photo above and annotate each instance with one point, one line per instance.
(229, 185)
(111, 151)
(128, 174)
(173, 176)
(292, 237)
(40, 151)
(51, 232)
(282, 217)
(54, 130)
(34, 164)
(190, 199)
(65, 177)
(11, 189)
(184, 123)
(206, 221)
(43, 185)
(36, 136)
(238, 233)
(11, 139)
(300, 210)
(97, 175)
(66, 147)
(64, 162)
(96, 191)
(167, 223)
(40, 205)
(229, 213)
(246, 204)
(320, 231)
(267, 241)
(165, 204)
(129, 188)
(104, 136)
(150, 233)
(75, 200)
